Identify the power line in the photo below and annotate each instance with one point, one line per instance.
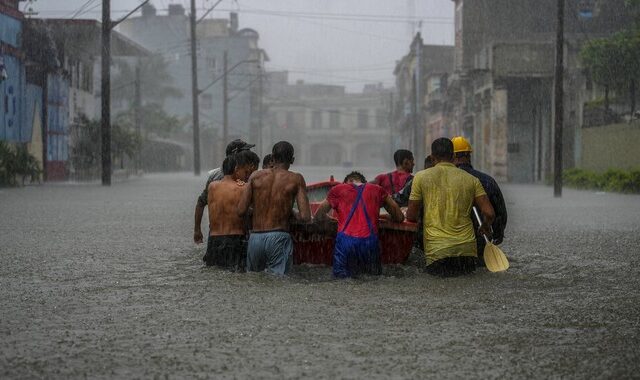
(342, 16)
(75, 13)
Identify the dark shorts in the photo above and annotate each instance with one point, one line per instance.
(452, 266)
(270, 251)
(227, 251)
(353, 256)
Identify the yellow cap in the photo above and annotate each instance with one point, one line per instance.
(460, 144)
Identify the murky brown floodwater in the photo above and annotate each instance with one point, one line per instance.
(106, 283)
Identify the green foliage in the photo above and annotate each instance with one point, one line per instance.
(613, 180)
(614, 61)
(156, 84)
(17, 162)
(86, 153)
(153, 120)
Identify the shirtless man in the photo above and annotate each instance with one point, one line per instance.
(227, 244)
(272, 192)
(216, 174)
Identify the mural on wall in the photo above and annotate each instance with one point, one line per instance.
(11, 105)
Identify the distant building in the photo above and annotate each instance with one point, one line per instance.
(501, 93)
(326, 125)
(169, 36)
(420, 97)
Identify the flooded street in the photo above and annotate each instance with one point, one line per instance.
(106, 282)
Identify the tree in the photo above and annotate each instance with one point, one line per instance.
(154, 120)
(85, 154)
(615, 63)
(156, 82)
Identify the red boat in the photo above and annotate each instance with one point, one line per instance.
(313, 243)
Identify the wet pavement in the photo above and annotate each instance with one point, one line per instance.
(106, 282)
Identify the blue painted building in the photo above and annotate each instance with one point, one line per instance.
(34, 92)
(12, 81)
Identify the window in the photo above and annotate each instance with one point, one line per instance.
(316, 119)
(211, 63)
(434, 84)
(363, 118)
(334, 119)
(289, 122)
(207, 101)
(381, 118)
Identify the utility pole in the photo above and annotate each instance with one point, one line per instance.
(105, 124)
(260, 109)
(138, 115)
(414, 114)
(195, 92)
(419, 149)
(391, 124)
(225, 101)
(105, 111)
(559, 103)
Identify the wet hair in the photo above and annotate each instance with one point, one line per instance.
(246, 157)
(236, 146)
(354, 175)
(266, 161)
(400, 155)
(282, 152)
(442, 149)
(428, 162)
(229, 165)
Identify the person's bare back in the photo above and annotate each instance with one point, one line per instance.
(224, 196)
(273, 192)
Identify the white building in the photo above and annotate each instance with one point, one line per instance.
(326, 125)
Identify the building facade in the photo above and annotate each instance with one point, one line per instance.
(420, 97)
(326, 125)
(64, 61)
(22, 108)
(501, 91)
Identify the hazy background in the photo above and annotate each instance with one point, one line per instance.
(344, 42)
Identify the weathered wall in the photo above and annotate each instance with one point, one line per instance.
(611, 147)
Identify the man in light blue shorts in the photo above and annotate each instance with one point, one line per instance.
(271, 193)
(270, 251)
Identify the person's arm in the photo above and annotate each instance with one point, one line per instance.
(304, 210)
(197, 231)
(246, 197)
(393, 209)
(415, 199)
(322, 211)
(201, 204)
(413, 211)
(500, 223)
(488, 215)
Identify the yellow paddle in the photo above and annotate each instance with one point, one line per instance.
(494, 258)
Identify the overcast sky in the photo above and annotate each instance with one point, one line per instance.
(349, 42)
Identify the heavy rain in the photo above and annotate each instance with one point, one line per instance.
(145, 234)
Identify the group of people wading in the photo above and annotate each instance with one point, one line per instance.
(244, 201)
